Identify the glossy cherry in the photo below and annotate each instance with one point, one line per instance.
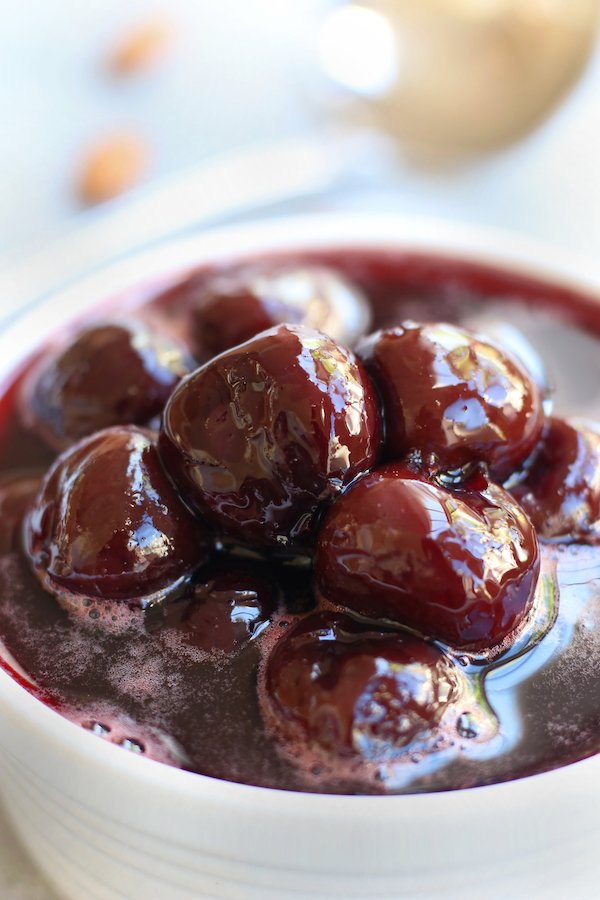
(349, 690)
(561, 490)
(459, 566)
(114, 373)
(108, 523)
(226, 607)
(262, 437)
(237, 303)
(453, 397)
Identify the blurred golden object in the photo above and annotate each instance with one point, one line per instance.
(142, 47)
(464, 76)
(111, 167)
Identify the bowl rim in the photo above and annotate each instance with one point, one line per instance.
(322, 231)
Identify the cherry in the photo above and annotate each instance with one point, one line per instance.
(239, 302)
(561, 489)
(453, 397)
(264, 436)
(352, 691)
(225, 608)
(113, 373)
(108, 522)
(460, 567)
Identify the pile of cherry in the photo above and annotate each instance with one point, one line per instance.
(384, 466)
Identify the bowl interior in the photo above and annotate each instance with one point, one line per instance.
(166, 264)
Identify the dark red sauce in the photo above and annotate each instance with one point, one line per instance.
(187, 683)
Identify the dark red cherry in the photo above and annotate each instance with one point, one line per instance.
(460, 567)
(561, 490)
(225, 608)
(236, 304)
(453, 397)
(111, 374)
(353, 691)
(262, 437)
(108, 523)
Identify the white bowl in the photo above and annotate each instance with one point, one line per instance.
(107, 825)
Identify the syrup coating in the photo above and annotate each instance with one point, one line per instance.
(352, 691)
(453, 397)
(16, 496)
(108, 523)
(457, 566)
(561, 490)
(264, 436)
(114, 373)
(227, 606)
(236, 304)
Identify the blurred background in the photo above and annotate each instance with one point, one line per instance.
(480, 110)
